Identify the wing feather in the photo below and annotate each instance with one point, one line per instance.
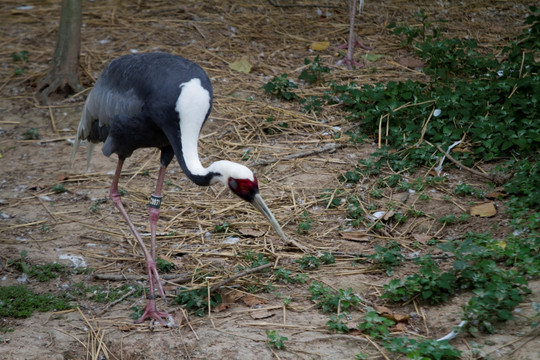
(103, 104)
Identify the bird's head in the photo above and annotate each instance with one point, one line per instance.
(246, 189)
(238, 178)
(241, 181)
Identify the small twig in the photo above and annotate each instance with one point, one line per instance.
(275, 354)
(387, 129)
(199, 31)
(53, 122)
(22, 225)
(378, 348)
(185, 314)
(72, 336)
(423, 317)
(424, 127)
(380, 132)
(208, 293)
(46, 208)
(405, 67)
(239, 275)
(93, 336)
(532, 335)
(110, 305)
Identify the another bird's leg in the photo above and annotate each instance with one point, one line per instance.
(150, 309)
(352, 36)
(153, 210)
(353, 39)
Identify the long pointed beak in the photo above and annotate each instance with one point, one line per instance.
(260, 205)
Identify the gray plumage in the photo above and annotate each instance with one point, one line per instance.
(132, 105)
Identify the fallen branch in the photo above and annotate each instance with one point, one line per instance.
(239, 275)
(120, 277)
(325, 148)
(177, 278)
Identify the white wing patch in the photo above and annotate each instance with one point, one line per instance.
(192, 106)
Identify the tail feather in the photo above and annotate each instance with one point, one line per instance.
(89, 151)
(76, 145)
(83, 131)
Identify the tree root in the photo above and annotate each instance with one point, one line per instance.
(54, 82)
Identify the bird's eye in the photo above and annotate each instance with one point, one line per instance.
(245, 188)
(233, 184)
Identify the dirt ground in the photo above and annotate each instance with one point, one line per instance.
(82, 226)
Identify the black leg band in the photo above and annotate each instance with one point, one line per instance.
(155, 201)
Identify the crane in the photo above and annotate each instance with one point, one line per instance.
(158, 100)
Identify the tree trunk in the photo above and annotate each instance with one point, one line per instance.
(65, 63)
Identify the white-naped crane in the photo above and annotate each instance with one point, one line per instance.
(159, 100)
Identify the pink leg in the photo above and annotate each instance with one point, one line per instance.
(353, 40)
(153, 211)
(150, 309)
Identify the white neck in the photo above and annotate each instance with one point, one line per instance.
(192, 106)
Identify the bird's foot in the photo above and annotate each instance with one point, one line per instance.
(348, 60)
(356, 43)
(150, 312)
(349, 63)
